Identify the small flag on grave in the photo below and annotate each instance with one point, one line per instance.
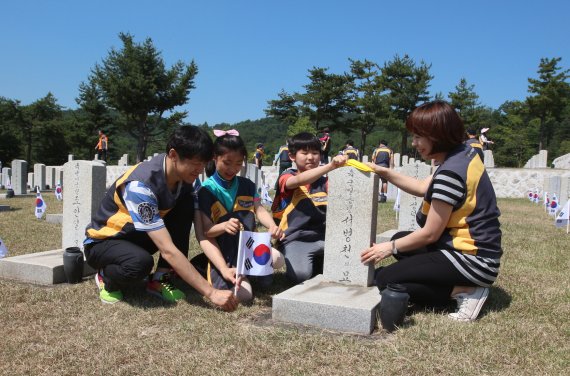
(254, 253)
(3, 249)
(553, 208)
(563, 218)
(40, 204)
(58, 192)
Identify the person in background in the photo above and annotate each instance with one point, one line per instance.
(383, 156)
(283, 158)
(456, 252)
(102, 146)
(258, 156)
(150, 208)
(300, 207)
(483, 140)
(325, 146)
(474, 143)
(350, 151)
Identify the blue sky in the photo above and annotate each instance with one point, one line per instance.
(247, 51)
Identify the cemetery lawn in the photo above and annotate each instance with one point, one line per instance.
(524, 327)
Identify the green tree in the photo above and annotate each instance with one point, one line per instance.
(326, 99)
(466, 101)
(9, 130)
(303, 124)
(550, 96)
(370, 107)
(285, 108)
(135, 82)
(407, 85)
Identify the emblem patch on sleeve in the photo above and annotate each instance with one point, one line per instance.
(146, 212)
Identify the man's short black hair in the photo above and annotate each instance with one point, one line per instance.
(190, 141)
(350, 142)
(471, 132)
(304, 141)
(384, 142)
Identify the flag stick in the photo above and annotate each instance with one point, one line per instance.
(238, 263)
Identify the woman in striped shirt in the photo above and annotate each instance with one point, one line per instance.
(455, 254)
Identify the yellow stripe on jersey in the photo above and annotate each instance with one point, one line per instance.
(217, 211)
(459, 229)
(301, 193)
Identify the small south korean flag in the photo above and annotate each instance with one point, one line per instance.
(58, 192)
(3, 249)
(254, 254)
(40, 205)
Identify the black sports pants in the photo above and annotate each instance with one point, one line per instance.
(428, 276)
(128, 260)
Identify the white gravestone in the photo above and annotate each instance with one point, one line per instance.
(489, 160)
(396, 159)
(19, 176)
(40, 175)
(351, 225)
(409, 205)
(404, 160)
(84, 183)
(31, 182)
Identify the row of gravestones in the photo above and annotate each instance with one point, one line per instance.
(538, 160)
(44, 177)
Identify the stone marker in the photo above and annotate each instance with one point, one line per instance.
(84, 183)
(396, 159)
(364, 159)
(340, 299)
(19, 176)
(489, 160)
(409, 205)
(69, 157)
(31, 183)
(404, 160)
(6, 176)
(40, 176)
(555, 185)
(351, 225)
(252, 174)
(542, 158)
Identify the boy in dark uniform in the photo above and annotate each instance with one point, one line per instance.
(148, 209)
(474, 143)
(300, 207)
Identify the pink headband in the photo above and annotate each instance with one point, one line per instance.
(220, 133)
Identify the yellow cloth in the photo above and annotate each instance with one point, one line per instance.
(358, 165)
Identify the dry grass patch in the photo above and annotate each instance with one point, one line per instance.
(65, 330)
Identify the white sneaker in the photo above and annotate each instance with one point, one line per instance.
(469, 305)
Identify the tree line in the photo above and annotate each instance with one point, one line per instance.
(133, 96)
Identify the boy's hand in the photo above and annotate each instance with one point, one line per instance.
(276, 232)
(338, 161)
(232, 226)
(224, 299)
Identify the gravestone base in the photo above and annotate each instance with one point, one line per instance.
(42, 268)
(54, 218)
(328, 305)
(386, 236)
(4, 208)
(3, 195)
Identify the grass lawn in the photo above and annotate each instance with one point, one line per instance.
(524, 327)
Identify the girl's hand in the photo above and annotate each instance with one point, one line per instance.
(276, 232)
(376, 253)
(232, 226)
(229, 274)
(338, 161)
